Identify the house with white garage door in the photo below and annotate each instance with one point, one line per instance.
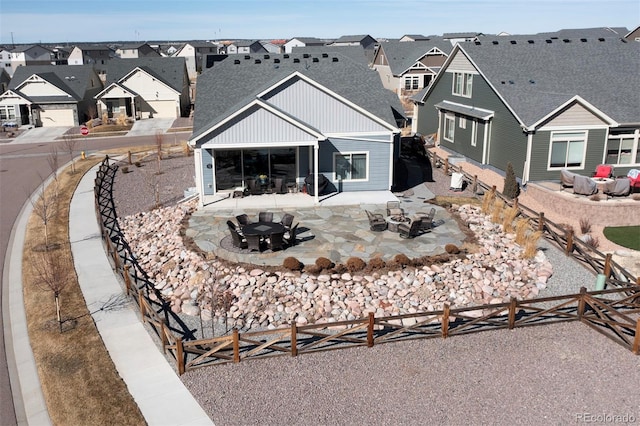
(50, 95)
(146, 88)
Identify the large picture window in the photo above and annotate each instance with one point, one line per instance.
(622, 149)
(412, 82)
(350, 166)
(449, 127)
(7, 112)
(462, 83)
(567, 149)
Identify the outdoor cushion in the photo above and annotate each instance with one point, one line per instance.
(618, 187)
(584, 186)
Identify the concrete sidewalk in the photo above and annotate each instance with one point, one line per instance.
(154, 385)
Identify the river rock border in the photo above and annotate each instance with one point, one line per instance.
(262, 299)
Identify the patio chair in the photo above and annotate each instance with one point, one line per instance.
(566, 179)
(603, 171)
(410, 230)
(265, 217)
(238, 240)
(584, 185)
(279, 186)
(634, 179)
(287, 220)
(618, 188)
(232, 227)
(290, 236)
(276, 241)
(394, 209)
(253, 242)
(254, 188)
(243, 219)
(426, 219)
(377, 222)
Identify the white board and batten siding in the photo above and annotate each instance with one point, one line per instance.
(321, 110)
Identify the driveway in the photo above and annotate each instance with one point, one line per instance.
(150, 126)
(40, 134)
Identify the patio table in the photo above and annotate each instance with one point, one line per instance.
(262, 228)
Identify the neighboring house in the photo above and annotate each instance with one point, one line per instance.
(413, 37)
(273, 46)
(60, 55)
(367, 42)
(146, 88)
(97, 55)
(302, 42)
(288, 118)
(454, 38)
(5, 78)
(408, 67)
(137, 50)
(245, 47)
(51, 95)
(541, 104)
(195, 54)
(633, 35)
(30, 55)
(5, 60)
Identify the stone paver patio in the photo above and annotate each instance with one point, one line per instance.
(337, 228)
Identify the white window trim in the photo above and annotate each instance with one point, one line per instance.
(584, 149)
(335, 175)
(466, 86)
(474, 133)
(448, 117)
(634, 148)
(411, 78)
(462, 122)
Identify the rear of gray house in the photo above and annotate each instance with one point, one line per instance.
(291, 116)
(541, 104)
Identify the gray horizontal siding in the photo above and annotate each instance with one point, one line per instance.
(378, 157)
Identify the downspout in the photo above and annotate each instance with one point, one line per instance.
(527, 161)
(315, 174)
(197, 156)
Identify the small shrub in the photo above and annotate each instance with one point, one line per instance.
(522, 226)
(105, 118)
(401, 259)
(510, 215)
(567, 227)
(635, 197)
(487, 201)
(355, 264)
(595, 197)
(313, 269)
(186, 149)
(292, 264)
(339, 268)
(125, 169)
(138, 164)
(496, 214)
(531, 244)
(451, 249)
(592, 241)
(324, 263)
(511, 188)
(376, 263)
(121, 120)
(585, 225)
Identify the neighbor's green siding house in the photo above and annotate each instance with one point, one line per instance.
(292, 115)
(541, 104)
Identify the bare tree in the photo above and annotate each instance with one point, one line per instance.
(69, 144)
(45, 206)
(153, 182)
(52, 159)
(159, 149)
(53, 274)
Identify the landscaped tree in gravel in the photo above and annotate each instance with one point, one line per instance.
(511, 188)
(53, 161)
(69, 143)
(53, 273)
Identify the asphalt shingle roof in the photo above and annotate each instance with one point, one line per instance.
(169, 70)
(403, 54)
(73, 79)
(537, 77)
(225, 88)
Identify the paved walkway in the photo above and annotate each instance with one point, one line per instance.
(337, 228)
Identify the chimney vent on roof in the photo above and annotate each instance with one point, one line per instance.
(266, 56)
(315, 59)
(530, 41)
(325, 55)
(334, 59)
(495, 42)
(584, 40)
(477, 43)
(548, 41)
(566, 40)
(286, 56)
(247, 57)
(600, 39)
(276, 60)
(513, 42)
(296, 60)
(305, 55)
(236, 61)
(258, 61)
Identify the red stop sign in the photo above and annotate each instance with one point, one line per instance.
(84, 130)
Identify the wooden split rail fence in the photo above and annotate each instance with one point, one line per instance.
(614, 312)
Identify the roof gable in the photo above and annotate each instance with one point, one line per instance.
(171, 71)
